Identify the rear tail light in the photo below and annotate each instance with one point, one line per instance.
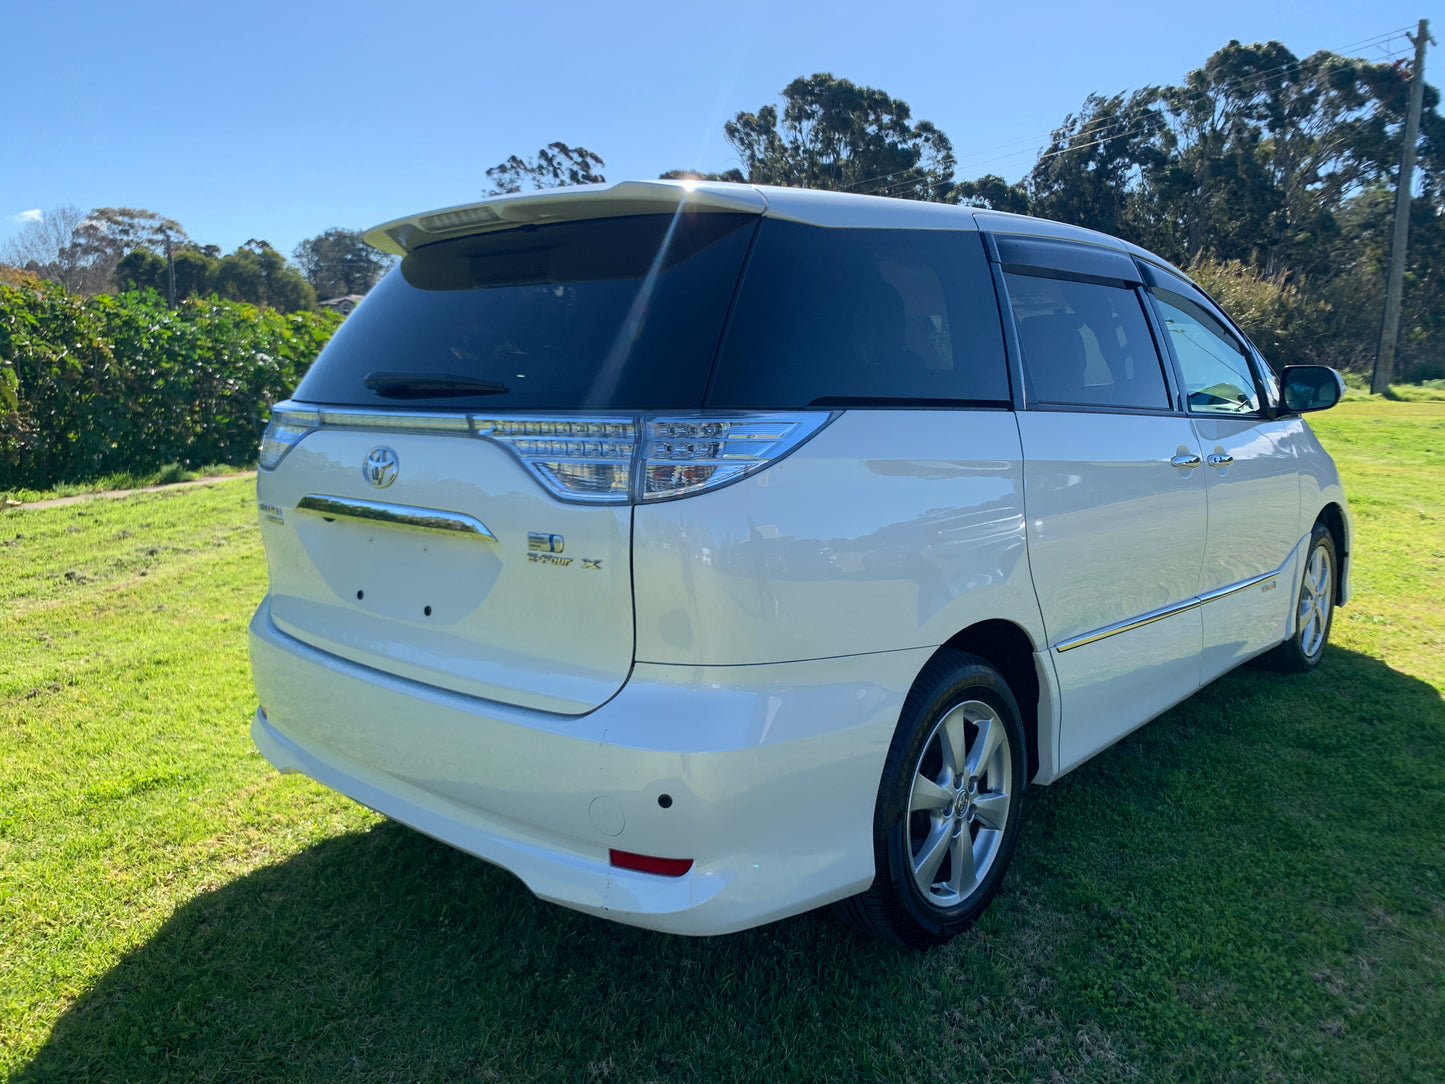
(602, 459)
(283, 432)
(580, 459)
(646, 863)
(685, 455)
(598, 460)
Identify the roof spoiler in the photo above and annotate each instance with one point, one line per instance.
(404, 235)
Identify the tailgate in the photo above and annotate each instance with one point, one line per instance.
(461, 572)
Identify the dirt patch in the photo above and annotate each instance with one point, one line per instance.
(79, 498)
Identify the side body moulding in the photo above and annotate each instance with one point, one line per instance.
(1166, 611)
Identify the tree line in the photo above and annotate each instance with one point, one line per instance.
(1267, 175)
(117, 249)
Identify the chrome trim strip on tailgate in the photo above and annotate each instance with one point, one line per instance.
(396, 515)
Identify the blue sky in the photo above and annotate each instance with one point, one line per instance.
(279, 120)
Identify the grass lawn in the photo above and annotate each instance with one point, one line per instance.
(167, 475)
(1250, 888)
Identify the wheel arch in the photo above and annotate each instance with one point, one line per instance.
(1010, 650)
(1333, 518)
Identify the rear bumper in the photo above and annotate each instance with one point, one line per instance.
(772, 771)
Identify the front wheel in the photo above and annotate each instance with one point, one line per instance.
(1316, 609)
(949, 804)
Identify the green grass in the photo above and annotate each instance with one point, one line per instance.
(1250, 888)
(166, 475)
(1357, 389)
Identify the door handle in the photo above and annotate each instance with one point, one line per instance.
(1218, 460)
(1185, 462)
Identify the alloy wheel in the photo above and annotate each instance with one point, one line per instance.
(1315, 599)
(959, 803)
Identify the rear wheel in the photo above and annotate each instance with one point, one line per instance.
(1316, 608)
(948, 805)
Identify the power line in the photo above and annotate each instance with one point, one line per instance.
(1379, 40)
(1125, 119)
(1294, 65)
(1135, 131)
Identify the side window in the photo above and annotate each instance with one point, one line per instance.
(1218, 378)
(857, 317)
(1085, 344)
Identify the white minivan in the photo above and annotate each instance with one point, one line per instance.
(706, 553)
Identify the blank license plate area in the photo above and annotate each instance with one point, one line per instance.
(400, 572)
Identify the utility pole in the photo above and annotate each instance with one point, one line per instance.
(1399, 238)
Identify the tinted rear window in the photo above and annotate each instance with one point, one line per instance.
(613, 314)
(859, 317)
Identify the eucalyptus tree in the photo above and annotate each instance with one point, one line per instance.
(554, 166)
(339, 262)
(832, 133)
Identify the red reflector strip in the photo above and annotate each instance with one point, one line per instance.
(646, 863)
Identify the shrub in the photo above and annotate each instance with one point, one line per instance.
(94, 386)
(1288, 325)
(14, 276)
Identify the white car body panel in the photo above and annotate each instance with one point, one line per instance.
(1114, 686)
(928, 540)
(1250, 616)
(1116, 532)
(1254, 527)
(772, 771)
(1320, 487)
(819, 207)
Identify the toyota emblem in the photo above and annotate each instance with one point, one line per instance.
(380, 467)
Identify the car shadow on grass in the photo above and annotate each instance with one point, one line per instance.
(1156, 899)
(387, 955)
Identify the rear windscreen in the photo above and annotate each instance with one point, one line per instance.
(862, 317)
(610, 314)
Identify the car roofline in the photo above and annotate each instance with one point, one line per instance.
(813, 206)
(816, 207)
(1007, 222)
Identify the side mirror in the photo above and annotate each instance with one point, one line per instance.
(1310, 387)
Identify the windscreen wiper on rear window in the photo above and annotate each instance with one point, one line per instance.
(430, 385)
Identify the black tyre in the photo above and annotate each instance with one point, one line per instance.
(1315, 611)
(948, 806)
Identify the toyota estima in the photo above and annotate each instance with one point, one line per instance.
(707, 553)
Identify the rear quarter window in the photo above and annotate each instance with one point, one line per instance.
(862, 317)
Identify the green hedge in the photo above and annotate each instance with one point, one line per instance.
(100, 385)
